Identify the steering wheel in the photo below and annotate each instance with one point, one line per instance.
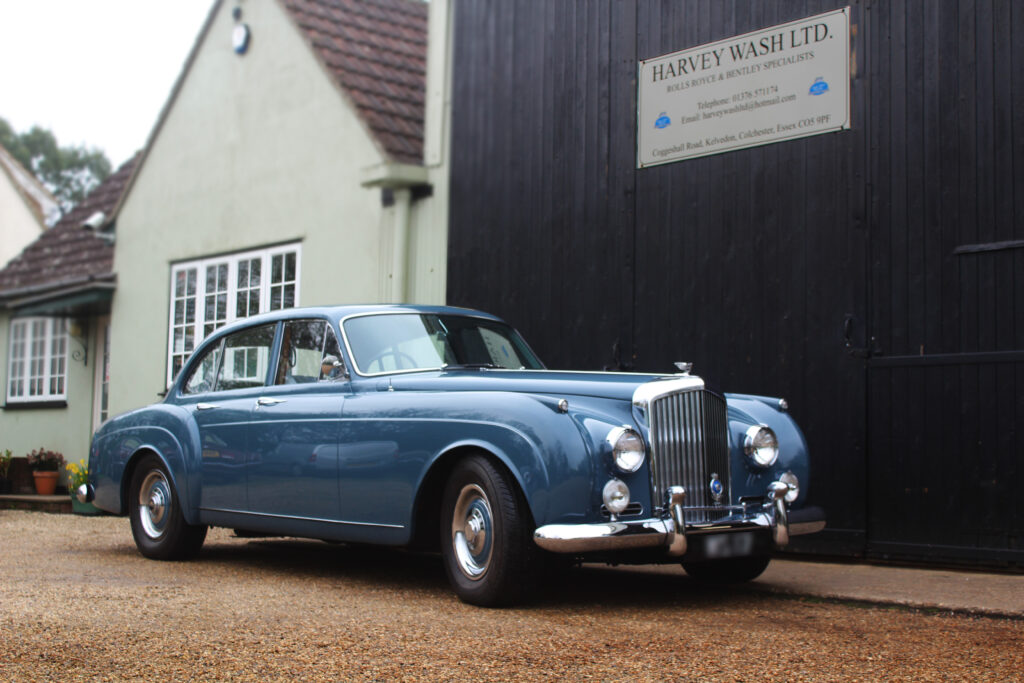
(399, 356)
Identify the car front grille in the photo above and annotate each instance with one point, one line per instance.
(689, 443)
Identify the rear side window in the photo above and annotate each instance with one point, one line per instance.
(204, 374)
(240, 361)
(246, 358)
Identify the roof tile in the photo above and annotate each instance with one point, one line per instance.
(377, 52)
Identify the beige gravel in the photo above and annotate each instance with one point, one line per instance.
(78, 603)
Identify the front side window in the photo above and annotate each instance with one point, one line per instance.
(402, 342)
(209, 293)
(37, 359)
(309, 353)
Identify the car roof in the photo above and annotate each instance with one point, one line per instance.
(337, 313)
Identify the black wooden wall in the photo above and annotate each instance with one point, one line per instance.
(874, 277)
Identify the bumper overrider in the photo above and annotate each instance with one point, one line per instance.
(670, 530)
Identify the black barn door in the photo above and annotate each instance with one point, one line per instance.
(946, 376)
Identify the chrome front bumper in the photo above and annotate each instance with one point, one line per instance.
(671, 532)
(85, 493)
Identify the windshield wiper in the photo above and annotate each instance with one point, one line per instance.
(469, 366)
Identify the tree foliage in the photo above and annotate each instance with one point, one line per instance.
(69, 173)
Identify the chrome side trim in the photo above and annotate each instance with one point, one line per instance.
(302, 519)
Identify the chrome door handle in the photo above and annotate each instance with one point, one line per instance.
(206, 406)
(267, 401)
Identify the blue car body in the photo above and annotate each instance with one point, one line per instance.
(363, 457)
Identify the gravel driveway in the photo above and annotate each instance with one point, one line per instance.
(78, 603)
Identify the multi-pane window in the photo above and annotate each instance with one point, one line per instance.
(183, 311)
(37, 361)
(209, 293)
(247, 299)
(282, 281)
(216, 298)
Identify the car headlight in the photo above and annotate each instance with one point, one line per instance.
(761, 446)
(628, 450)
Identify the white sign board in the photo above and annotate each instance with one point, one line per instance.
(784, 82)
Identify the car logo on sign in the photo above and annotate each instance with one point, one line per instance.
(716, 487)
(662, 121)
(819, 87)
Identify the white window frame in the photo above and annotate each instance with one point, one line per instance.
(51, 364)
(231, 314)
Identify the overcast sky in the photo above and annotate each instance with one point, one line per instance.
(95, 72)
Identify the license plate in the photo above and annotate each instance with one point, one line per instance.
(729, 545)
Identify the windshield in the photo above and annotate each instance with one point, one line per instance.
(413, 341)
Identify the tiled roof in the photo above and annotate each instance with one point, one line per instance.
(377, 52)
(68, 253)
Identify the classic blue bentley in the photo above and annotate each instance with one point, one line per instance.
(438, 427)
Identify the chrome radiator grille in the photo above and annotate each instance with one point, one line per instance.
(689, 443)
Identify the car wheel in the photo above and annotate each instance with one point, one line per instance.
(732, 570)
(486, 535)
(159, 529)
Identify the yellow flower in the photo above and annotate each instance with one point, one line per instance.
(78, 473)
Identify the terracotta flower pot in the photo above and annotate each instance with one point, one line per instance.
(46, 482)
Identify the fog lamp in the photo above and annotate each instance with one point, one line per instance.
(615, 496)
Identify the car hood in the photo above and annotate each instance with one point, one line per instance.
(610, 385)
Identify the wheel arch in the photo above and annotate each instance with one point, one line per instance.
(426, 517)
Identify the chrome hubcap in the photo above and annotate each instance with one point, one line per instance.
(472, 530)
(154, 504)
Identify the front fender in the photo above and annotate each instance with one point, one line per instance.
(749, 480)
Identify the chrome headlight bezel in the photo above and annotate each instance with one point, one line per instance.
(761, 446)
(628, 449)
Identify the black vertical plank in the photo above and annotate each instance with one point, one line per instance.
(984, 298)
(1017, 217)
(622, 159)
(952, 178)
(949, 155)
(968, 164)
(1015, 465)
(880, 311)
(1002, 171)
(897, 332)
(931, 177)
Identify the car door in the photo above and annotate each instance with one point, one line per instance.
(222, 393)
(294, 427)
